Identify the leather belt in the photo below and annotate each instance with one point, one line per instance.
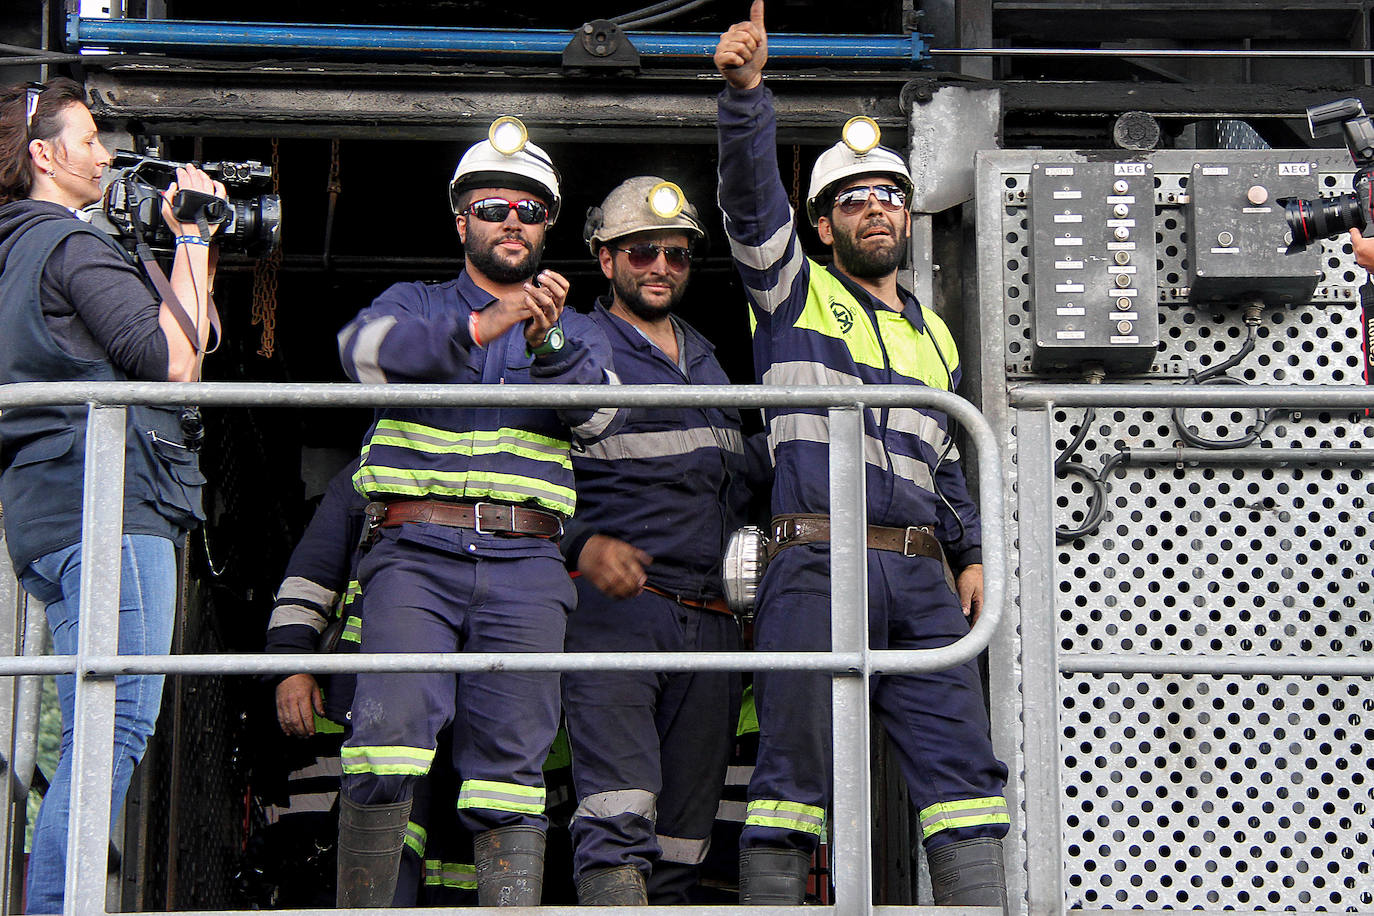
(791, 530)
(482, 517)
(717, 605)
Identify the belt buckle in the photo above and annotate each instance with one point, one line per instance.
(477, 518)
(785, 531)
(906, 541)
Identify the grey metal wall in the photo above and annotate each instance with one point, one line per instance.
(1174, 791)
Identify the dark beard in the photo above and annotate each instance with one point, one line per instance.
(641, 309)
(867, 265)
(483, 257)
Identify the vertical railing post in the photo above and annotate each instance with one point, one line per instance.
(11, 625)
(1040, 671)
(88, 838)
(851, 834)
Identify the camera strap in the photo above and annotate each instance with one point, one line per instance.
(164, 289)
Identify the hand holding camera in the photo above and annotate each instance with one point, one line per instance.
(194, 204)
(137, 207)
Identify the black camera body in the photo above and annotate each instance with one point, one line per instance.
(1328, 217)
(133, 203)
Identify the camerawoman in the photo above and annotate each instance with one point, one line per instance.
(75, 306)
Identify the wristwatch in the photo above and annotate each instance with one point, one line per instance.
(553, 342)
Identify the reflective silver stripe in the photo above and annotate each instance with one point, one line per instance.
(738, 776)
(807, 372)
(308, 803)
(666, 443)
(770, 299)
(687, 852)
(367, 349)
(599, 421)
(622, 801)
(285, 615)
(322, 766)
(732, 811)
(913, 422)
(805, 427)
(767, 253)
(298, 588)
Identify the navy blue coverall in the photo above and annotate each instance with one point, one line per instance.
(320, 577)
(650, 750)
(815, 327)
(432, 588)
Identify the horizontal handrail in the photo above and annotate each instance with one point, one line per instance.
(1219, 665)
(344, 394)
(1039, 395)
(348, 395)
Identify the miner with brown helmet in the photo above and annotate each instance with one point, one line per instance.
(657, 501)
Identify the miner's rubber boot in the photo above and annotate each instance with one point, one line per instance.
(622, 885)
(370, 841)
(773, 877)
(510, 866)
(969, 873)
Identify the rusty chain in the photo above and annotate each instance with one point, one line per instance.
(265, 278)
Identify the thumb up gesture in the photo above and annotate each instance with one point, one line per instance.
(743, 50)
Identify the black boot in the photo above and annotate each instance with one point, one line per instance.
(773, 877)
(370, 841)
(510, 866)
(969, 873)
(622, 885)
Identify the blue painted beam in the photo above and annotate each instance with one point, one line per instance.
(193, 38)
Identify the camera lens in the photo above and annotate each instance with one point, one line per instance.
(1323, 218)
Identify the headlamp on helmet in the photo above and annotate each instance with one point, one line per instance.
(666, 199)
(508, 135)
(858, 153)
(507, 158)
(642, 204)
(861, 134)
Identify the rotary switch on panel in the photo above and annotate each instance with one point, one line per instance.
(1093, 266)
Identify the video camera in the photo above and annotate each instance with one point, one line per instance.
(1328, 217)
(133, 203)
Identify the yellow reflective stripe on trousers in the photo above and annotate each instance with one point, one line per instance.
(390, 760)
(435, 441)
(353, 630)
(417, 838)
(511, 488)
(450, 874)
(501, 796)
(968, 812)
(785, 815)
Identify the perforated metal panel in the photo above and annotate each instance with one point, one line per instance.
(1183, 791)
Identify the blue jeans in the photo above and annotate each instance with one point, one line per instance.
(147, 606)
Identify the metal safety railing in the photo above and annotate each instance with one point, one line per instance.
(850, 661)
(1044, 665)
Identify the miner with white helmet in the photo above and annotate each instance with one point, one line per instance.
(466, 508)
(657, 501)
(846, 324)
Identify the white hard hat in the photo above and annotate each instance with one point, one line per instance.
(526, 167)
(641, 204)
(841, 162)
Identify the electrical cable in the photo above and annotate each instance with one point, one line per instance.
(664, 16)
(1216, 375)
(1097, 501)
(646, 11)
